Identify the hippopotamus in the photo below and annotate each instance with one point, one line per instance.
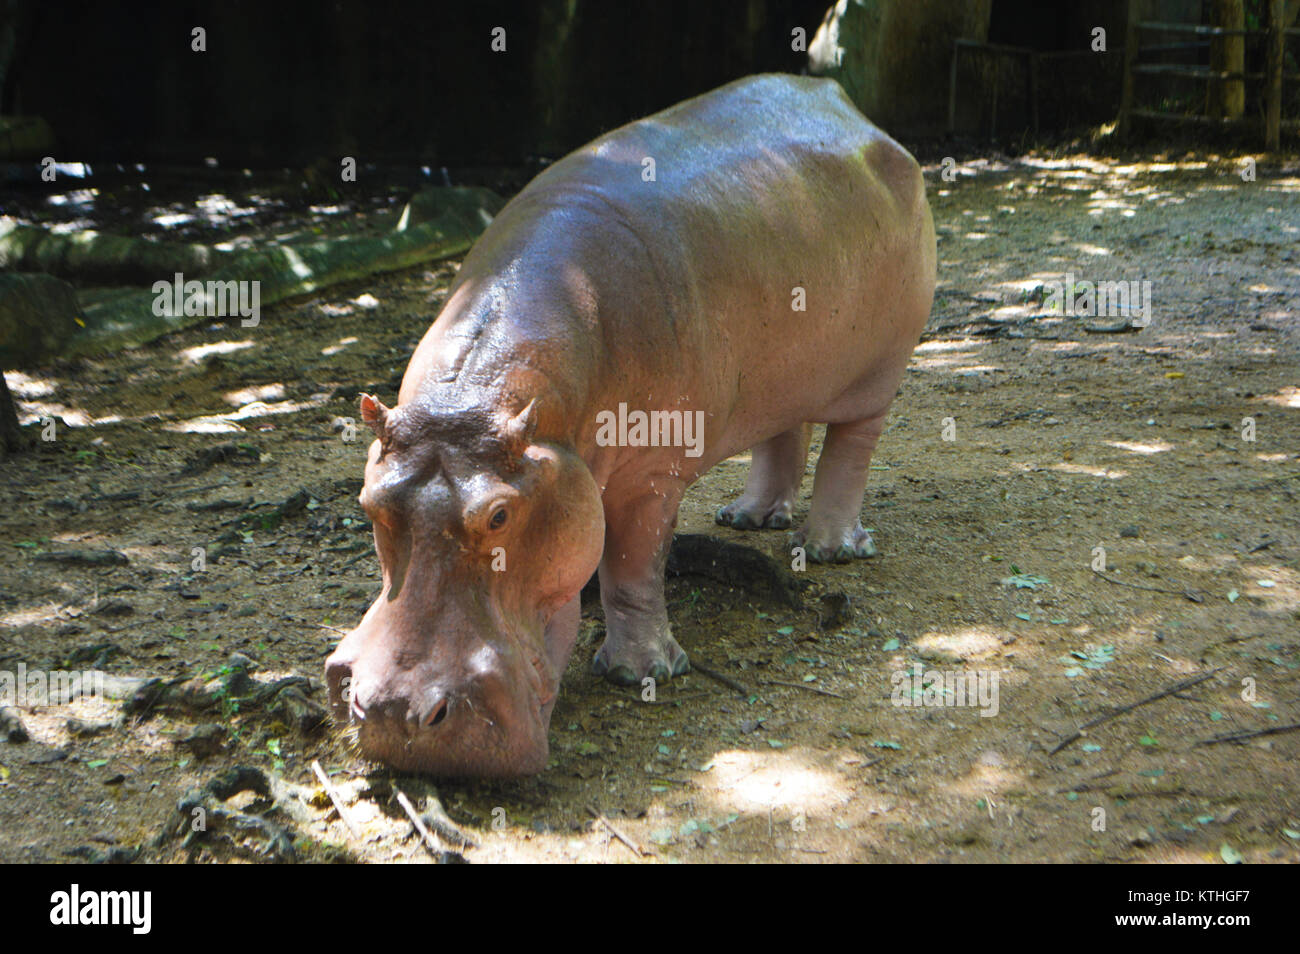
(712, 279)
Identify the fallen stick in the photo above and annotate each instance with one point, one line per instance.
(1240, 736)
(803, 685)
(1186, 592)
(333, 793)
(1177, 687)
(442, 823)
(609, 827)
(432, 842)
(719, 677)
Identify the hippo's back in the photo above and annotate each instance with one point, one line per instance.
(759, 136)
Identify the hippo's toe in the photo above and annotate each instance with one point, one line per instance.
(856, 544)
(745, 514)
(630, 668)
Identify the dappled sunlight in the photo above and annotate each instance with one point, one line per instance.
(341, 345)
(28, 388)
(989, 773)
(945, 362)
(36, 410)
(1134, 447)
(1081, 470)
(263, 392)
(970, 642)
(29, 615)
(752, 781)
(1285, 397)
(197, 353)
(225, 423)
(1272, 584)
(950, 344)
(1095, 250)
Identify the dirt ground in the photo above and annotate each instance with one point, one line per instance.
(1063, 440)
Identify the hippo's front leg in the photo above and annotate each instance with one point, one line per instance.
(638, 639)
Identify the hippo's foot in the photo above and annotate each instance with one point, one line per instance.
(749, 513)
(842, 547)
(627, 665)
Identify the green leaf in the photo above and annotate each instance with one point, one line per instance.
(661, 836)
(785, 631)
(1091, 747)
(1216, 716)
(97, 763)
(1233, 596)
(881, 744)
(776, 743)
(1291, 833)
(890, 645)
(1204, 819)
(1025, 616)
(1230, 855)
(1147, 740)
(587, 748)
(1023, 581)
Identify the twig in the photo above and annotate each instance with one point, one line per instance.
(333, 793)
(1186, 592)
(431, 841)
(802, 685)
(609, 827)
(1239, 736)
(719, 677)
(1177, 687)
(333, 629)
(441, 822)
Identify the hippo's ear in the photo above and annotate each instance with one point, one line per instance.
(374, 413)
(518, 431)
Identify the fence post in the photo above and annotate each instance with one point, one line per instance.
(1276, 57)
(1130, 58)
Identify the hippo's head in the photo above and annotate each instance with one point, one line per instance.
(483, 536)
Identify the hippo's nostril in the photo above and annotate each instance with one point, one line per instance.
(438, 713)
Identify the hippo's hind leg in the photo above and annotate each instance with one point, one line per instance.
(833, 531)
(638, 639)
(774, 474)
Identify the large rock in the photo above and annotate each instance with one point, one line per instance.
(38, 314)
(892, 56)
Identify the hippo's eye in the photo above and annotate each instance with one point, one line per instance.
(498, 519)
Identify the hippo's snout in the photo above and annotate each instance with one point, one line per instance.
(483, 720)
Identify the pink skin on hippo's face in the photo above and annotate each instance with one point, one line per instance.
(485, 539)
